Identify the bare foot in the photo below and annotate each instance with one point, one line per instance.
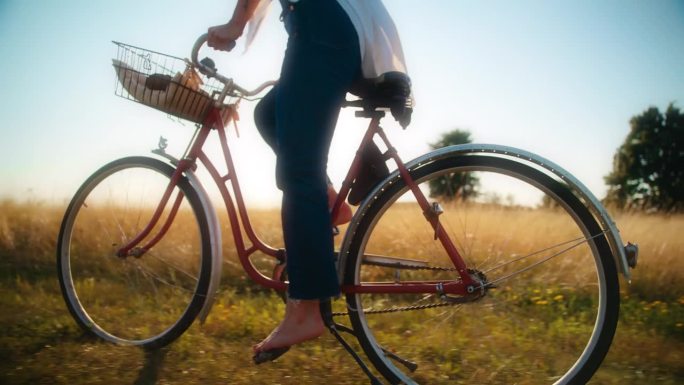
(344, 214)
(302, 323)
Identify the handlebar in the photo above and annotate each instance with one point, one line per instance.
(213, 73)
(195, 49)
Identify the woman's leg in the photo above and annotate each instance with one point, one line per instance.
(321, 61)
(265, 120)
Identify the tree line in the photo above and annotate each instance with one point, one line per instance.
(648, 168)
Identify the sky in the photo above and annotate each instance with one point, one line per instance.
(558, 78)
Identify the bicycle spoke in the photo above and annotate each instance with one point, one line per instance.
(576, 241)
(192, 277)
(145, 273)
(159, 278)
(538, 263)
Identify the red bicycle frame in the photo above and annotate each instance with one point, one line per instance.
(218, 119)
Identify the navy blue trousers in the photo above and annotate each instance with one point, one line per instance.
(297, 119)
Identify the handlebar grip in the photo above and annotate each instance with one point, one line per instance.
(207, 67)
(203, 65)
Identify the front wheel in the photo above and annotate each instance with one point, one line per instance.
(550, 309)
(149, 299)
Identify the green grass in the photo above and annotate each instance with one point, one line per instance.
(41, 344)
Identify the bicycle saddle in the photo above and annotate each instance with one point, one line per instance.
(390, 90)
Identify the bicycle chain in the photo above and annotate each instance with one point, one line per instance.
(400, 309)
(432, 268)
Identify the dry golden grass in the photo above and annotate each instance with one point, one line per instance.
(30, 229)
(41, 344)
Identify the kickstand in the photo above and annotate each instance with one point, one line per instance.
(410, 365)
(326, 313)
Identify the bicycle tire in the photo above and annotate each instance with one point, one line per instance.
(146, 301)
(493, 331)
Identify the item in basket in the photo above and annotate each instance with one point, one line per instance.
(191, 79)
(158, 82)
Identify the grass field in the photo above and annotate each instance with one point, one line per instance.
(41, 344)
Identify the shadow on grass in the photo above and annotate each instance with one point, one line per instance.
(149, 374)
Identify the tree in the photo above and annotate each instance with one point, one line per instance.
(648, 169)
(456, 185)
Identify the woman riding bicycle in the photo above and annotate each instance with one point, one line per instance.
(331, 44)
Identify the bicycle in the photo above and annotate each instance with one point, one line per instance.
(139, 253)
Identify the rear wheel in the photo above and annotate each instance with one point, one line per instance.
(149, 299)
(551, 311)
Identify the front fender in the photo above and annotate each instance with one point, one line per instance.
(216, 246)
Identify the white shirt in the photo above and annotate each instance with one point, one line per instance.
(381, 50)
